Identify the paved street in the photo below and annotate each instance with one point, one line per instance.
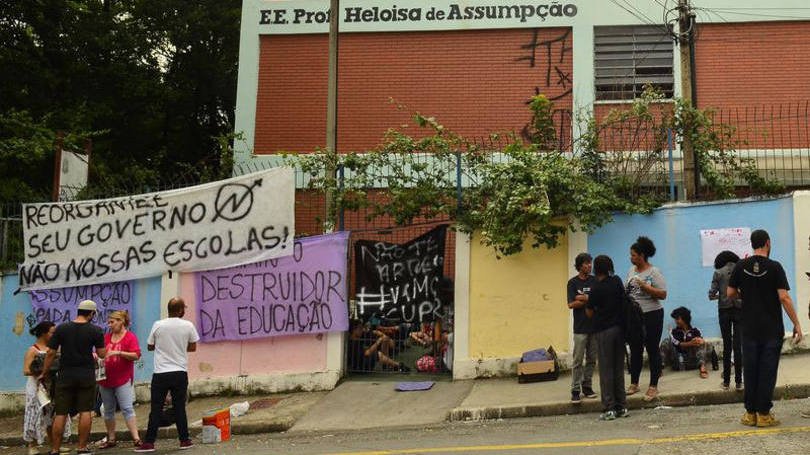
(690, 430)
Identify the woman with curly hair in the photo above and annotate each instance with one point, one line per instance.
(647, 286)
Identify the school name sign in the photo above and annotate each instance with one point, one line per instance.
(314, 16)
(221, 224)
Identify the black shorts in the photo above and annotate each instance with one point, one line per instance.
(74, 395)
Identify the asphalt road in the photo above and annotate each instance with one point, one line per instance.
(692, 430)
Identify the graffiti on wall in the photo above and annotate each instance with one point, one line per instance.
(401, 281)
(554, 77)
(547, 56)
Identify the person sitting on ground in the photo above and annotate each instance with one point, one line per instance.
(364, 356)
(686, 349)
(424, 336)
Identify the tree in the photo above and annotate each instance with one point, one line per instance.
(153, 82)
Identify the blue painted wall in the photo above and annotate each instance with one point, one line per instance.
(14, 337)
(676, 233)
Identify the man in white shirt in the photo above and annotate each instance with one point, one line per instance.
(171, 339)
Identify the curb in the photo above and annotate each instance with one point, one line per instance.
(712, 397)
(171, 432)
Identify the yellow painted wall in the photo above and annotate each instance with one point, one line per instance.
(517, 303)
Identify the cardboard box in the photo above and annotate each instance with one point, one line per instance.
(216, 426)
(543, 370)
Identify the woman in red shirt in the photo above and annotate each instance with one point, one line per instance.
(117, 389)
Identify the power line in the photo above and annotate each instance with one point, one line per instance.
(740, 13)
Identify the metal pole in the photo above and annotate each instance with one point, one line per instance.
(693, 84)
(688, 156)
(458, 181)
(332, 106)
(670, 146)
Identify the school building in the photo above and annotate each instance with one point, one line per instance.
(473, 65)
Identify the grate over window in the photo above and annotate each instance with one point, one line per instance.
(626, 58)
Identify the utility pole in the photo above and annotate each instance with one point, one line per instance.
(332, 109)
(686, 25)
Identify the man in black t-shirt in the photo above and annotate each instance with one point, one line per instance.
(76, 383)
(584, 342)
(763, 287)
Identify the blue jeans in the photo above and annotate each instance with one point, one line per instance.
(120, 397)
(759, 372)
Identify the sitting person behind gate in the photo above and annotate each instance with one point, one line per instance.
(367, 347)
(685, 349)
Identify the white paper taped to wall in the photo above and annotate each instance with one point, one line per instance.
(713, 241)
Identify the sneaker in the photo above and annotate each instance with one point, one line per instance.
(767, 420)
(588, 392)
(806, 414)
(724, 385)
(33, 451)
(633, 389)
(575, 398)
(402, 369)
(738, 386)
(64, 450)
(145, 447)
(623, 412)
(749, 419)
(608, 415)
(187, 444)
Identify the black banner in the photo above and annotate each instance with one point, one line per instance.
(401, 281)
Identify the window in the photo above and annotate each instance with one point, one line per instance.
(627, 58)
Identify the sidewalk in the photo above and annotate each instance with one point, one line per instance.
(373, 403)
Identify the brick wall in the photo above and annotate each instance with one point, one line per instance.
(757, 75)
(474, 82)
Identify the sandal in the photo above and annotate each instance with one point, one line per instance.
(652, 393)
(107, 445)
(137, 443)
(703, 373)
(632, 389)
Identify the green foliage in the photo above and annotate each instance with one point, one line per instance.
(530, 193)
(405, 178)
(155, 78)
(721, 169)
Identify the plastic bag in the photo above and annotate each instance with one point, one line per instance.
(239, 409)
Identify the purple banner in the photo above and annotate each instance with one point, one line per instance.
(301, 293)
(59, 305)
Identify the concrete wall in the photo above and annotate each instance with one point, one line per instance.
(801, 282)
(676, 233)
(514, 304)
(268, 364)
(15, 339)
(306, 362)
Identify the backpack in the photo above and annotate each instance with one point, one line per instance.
(633, 320)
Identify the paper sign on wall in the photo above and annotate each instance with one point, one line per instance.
(713, 241)
(220, 224)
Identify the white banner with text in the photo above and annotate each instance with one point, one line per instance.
(312, 16)
(211, 226)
